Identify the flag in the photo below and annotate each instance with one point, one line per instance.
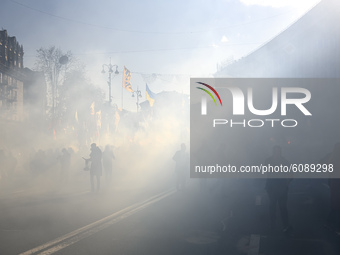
(76, 116)
(126, 80)
(92, 108)
(150, 96)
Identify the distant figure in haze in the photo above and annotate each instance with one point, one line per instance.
(3, 160)
(96, 166)
(182, 163)
(65, 163)
(333, 221)
(12, 164)
(277, 189)
(107, 162)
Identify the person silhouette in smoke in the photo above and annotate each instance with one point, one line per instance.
(96, 166)
(277, 189)
(182, 162)
(65, 163)
(107, 162)
(333, 221)
(3, 160)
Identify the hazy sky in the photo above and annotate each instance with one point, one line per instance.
(162, 37)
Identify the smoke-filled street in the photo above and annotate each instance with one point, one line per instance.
(170, 127)
(153, 221)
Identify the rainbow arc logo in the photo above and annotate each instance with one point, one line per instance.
(209, 93)
(204, 101)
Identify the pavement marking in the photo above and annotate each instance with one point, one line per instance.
(86, 231)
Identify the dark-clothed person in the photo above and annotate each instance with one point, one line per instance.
(334, 186)
(65, 163)
(96, 166)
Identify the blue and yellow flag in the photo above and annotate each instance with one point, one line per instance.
(150, 96)
(126, 80)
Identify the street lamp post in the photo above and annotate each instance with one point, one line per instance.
(138, 95)
(110, 70)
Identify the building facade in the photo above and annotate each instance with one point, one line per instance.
(11, 78)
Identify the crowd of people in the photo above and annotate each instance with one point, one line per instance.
(100, 162)
(277, 189)
(63, 162)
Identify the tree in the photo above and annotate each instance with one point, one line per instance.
(54, 64)
(81, 104)
(77, 94)
(70, 94)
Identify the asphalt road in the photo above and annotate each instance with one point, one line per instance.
(203, 219)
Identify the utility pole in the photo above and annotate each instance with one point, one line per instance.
(138, 95)
(110, 70)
